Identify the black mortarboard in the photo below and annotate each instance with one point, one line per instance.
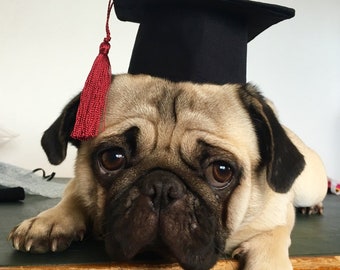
(201, 41)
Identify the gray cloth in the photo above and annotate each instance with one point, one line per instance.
(12, 176)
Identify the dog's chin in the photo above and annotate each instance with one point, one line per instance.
(184, 230)
(154, 253)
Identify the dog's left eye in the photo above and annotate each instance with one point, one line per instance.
(219, 174)
(112, 159)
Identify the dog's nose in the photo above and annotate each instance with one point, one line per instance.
(163, 188)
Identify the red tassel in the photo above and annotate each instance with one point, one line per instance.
(93, 96)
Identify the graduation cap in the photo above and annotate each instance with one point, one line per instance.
(202, 41)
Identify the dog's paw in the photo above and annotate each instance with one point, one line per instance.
(253, 255)
(313, 210)
(46, 233)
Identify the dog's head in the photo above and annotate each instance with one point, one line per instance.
(171, 157)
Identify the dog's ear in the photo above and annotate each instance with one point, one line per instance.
(279, 155)
(55, 139)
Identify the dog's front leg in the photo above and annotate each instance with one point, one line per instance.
(53, 229)
(268, 249)
(265, 251)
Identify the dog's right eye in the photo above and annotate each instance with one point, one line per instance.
(112, 159)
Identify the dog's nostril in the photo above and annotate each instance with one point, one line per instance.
(162, 188)
(171, 192)
(175, 193)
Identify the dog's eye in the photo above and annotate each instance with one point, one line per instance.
(219, 174)
(112, 159)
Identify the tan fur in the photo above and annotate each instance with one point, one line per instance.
(259, 220)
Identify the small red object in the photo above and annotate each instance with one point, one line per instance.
(93, 96)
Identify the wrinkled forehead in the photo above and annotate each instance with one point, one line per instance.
(212, 110)
(160, 100)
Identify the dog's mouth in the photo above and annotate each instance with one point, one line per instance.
(161, 216)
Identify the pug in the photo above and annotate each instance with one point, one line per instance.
(188, 171)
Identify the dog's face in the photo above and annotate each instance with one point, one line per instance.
(174, 167)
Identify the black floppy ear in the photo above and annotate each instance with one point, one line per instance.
(55, 139)
(282, 159)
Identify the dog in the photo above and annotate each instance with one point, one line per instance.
(189, 171)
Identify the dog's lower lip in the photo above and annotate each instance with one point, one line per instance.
(155, 254)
